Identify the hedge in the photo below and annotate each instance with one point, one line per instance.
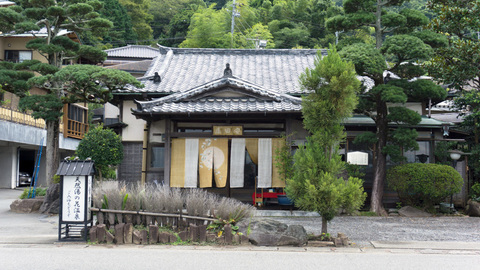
(424, 185)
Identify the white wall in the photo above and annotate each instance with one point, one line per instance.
(134, 131)
(111, 111)
(157, 129)
(8, 167)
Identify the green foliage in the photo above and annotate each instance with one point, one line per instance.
(355, 170)
(284, 160)
(333, 86)
(56, 179)
(138, 12)
(367, 60)
(207, 29)
(103, 146)
(424, 185)
(403, 51)
(441, 152)
(38, 192)
(475, 192)
(218, 226)
(316, 185)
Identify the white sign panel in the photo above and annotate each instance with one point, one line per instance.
(73, 203)
(357, 158)
(89, 203)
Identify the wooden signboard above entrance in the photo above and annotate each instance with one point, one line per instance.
(227, 130)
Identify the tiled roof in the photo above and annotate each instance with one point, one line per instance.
(361, 120)
(195, 100)
(224, 105)
(136, 66)
(6, 3)
(183, 69)
(133, 51)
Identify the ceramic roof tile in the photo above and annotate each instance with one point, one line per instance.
(223, 105)
(277, 70)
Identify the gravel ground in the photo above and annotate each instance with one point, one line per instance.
(362, 230)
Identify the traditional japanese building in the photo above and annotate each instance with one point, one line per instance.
(213, 118)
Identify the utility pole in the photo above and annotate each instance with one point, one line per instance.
(234, 14)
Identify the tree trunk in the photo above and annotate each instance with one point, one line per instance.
(53, 134)
(380, 161)
(378, 25)
(324, 225)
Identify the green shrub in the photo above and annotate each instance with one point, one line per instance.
(475, 192)
(424, 185)
(38, 192)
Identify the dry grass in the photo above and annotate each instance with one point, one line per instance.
(163, 199)
(199, 202)
(228, 208)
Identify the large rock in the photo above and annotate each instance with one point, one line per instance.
(26, 205)
(473, 208)
(52, 200)
(408, 211)
(268, 232)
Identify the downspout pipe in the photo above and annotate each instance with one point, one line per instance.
(144, 154)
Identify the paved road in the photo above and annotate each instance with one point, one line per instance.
(30, 241)
(177, 257)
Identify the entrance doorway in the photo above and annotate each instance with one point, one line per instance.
(26, 165)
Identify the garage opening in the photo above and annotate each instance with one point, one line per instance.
(26, 165)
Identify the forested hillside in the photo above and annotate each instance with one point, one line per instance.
(207, 23)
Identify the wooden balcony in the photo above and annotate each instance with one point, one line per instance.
(75, 129)
(70, 128)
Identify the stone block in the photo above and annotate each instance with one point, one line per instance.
(227, 232)
(344, 240)
(236, 239)
(337, 242)
(144, 236)
(26, 205)
(163, 237)
(202, 233)
(220, 240)
(244, 239)
(210, 237)
(172, 238)
(119, 236)
(194, 233)
(473, 208)
(183, 235)
(92, 233)
(320, 243)
(137, 237)
(101, 233)
(128, 233)
(153, 234)
(109, 237)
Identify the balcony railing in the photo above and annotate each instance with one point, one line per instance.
(20, 117)
(72, 128)
(75, 129)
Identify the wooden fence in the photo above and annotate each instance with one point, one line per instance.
(111, 217)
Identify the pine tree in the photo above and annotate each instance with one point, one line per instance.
(316, 184)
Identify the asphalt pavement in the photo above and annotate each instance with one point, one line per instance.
(455, 234)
